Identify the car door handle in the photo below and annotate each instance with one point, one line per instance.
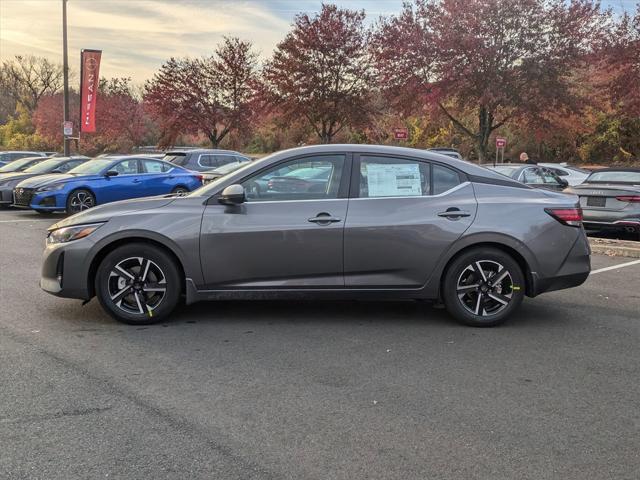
(454, 213)
(324, 219)
(137, 180)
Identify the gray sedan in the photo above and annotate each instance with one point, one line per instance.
(610, 199)
(383, 223)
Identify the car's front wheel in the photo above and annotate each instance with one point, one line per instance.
(138, 284)
(80, 200)
(483, 287)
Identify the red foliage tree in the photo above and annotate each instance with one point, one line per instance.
(211, 95)
(621, 62)
(500, 59)
(121, 122)
(321, 72)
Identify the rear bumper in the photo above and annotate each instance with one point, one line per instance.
(573, 272)
(628, 225)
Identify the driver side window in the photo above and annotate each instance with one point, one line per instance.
(126, 167)
(307, 178)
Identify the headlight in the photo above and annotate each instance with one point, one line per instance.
(50, 188)
(68, 234)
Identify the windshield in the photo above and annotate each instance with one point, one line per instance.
(176, 158)
(18, 165)
(307, 173)
(614, 177)
(44, 167)
(91, 167)
(229, 167)
(211, 187)
(504, 169)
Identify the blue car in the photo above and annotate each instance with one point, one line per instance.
(104, 180)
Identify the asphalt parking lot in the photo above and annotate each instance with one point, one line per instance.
(340, 390)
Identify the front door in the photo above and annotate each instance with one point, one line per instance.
(406, 213)
(288, 233)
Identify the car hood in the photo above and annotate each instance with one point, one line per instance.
(15, 177)
(102, 213)
(43, 180)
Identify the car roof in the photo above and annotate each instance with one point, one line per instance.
(462, 165)
(201, 150)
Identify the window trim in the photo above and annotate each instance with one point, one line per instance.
(343, 189)
(354, 190)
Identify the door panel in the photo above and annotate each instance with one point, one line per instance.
(396, 240)
(273, 244)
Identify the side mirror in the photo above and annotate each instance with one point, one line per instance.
(56, 170)
(563, 182)
(232, 195)
(111, 173)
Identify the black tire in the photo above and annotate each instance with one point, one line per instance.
(42, 212)
(483, 306)
(80, 200)
(180, 190)
(150, 306)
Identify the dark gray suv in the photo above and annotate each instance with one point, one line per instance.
(332, 221)
(201, 160)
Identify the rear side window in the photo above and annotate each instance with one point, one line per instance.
(444, 179)
(207, 161)
(151, 166)
(224, 159)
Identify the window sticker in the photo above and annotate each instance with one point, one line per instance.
(389, 180)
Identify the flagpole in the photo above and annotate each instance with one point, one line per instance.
(65, 73)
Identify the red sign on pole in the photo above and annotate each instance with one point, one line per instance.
(401, 133)
(501, 142)
(89, 78)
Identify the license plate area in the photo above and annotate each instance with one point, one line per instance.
(596, 201)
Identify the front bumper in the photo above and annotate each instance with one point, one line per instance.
(45, 201)
(6, 195)
(65, 269)
(573, 272)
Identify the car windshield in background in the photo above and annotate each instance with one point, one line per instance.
(504, 170)
(230, 167)
(308, 173)
(16, 165)
(614, 177)
(91, 167)
(577, 169)
(43, 167)
(175, 158)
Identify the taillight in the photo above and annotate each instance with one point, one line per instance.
(628, 198)
(200, 178)
(567, 216)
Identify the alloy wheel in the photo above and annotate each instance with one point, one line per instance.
(81, 201)
(485, 288)
(137, 286)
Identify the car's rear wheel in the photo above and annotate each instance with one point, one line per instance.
(80, 200)
(138, 284)
(180, 191)
(483, 287)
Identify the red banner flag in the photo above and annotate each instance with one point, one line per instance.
(89, 79)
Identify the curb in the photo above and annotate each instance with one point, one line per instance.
(615, 248)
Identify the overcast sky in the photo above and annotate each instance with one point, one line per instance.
(137, 36)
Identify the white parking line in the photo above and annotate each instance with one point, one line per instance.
(23, 220)
(615, 267)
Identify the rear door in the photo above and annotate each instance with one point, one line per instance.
(403, 215)
(155, 177)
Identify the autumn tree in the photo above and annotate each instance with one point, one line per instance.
(621, 63)
(26, 79)
(502, 60)
(321, 72)
(211, 95)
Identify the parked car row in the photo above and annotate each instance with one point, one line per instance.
(10, 156)
(74, 184)
(609, 197)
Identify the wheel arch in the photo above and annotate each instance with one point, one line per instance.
(107, 247)
(509, 245)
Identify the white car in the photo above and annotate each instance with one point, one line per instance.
(573, 175)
